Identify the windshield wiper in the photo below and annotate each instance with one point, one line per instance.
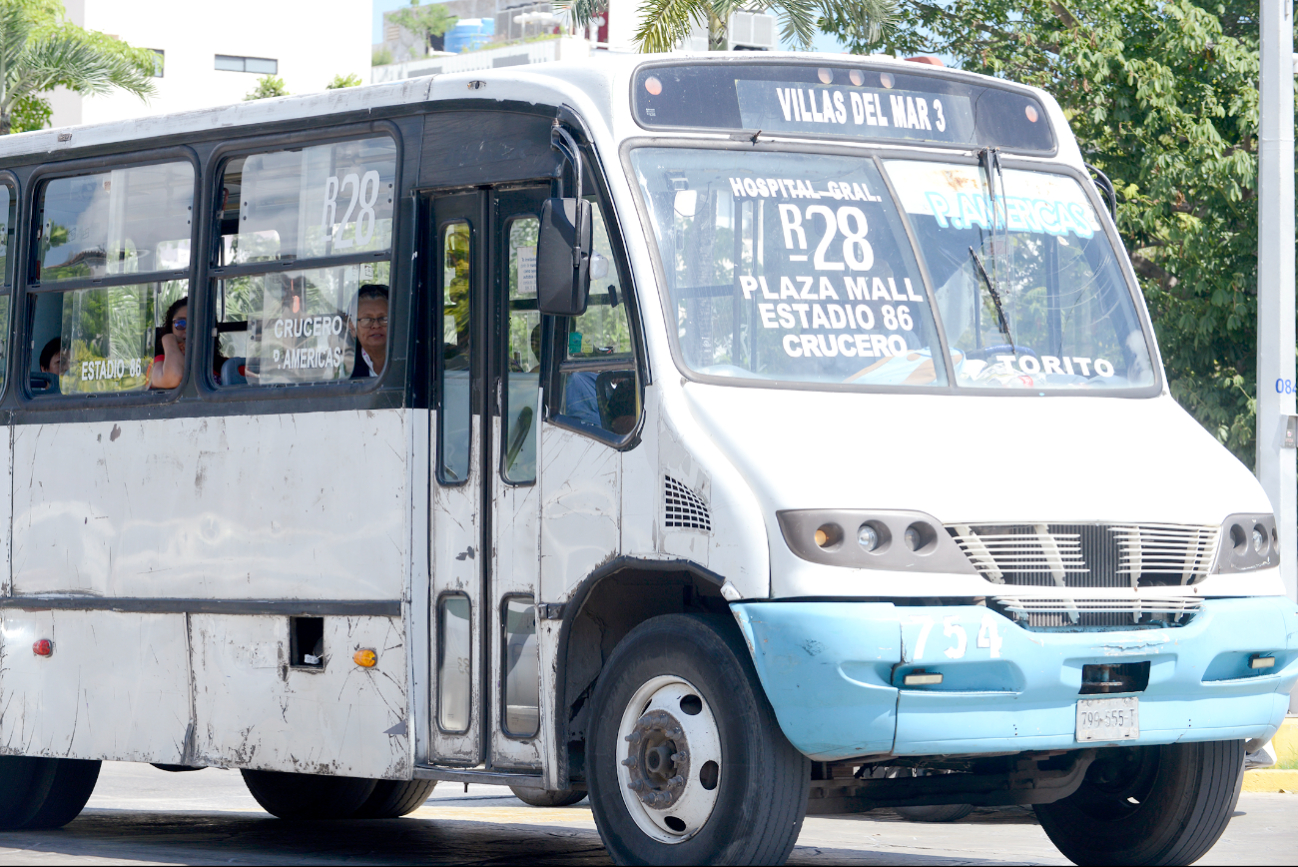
(996, 299)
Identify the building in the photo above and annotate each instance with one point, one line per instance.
(214, 55)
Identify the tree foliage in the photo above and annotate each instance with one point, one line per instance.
(664, 23)
(39, 51)
(267, 86)
(1162, 96)
(351, 79)
(429, 21)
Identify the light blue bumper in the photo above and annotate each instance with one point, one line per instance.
(833, 672)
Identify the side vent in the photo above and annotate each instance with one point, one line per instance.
(684, 508)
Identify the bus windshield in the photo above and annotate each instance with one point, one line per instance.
(798, 268)
(1034, 298)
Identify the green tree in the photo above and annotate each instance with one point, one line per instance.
(267, 86)
(39, 51)
(380, 57)
(664, 23)
(1162, 96)
(430, 21)
(351, 79)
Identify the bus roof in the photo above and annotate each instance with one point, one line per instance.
(599, 83)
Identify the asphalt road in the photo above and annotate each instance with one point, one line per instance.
(140, 815)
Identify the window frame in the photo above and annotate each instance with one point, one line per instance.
(218, 159)
(503, 678)
(438, 654)
(24, 289)
(9, 288)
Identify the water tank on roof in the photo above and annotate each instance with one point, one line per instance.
(470, 33)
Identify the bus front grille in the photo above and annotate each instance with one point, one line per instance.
(1088, 555)
(1128, 611)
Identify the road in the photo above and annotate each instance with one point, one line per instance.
(140, 815)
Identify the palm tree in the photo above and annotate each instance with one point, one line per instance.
(664, 23)
(38, 54)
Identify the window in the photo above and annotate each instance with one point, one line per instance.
(455, 439)
(259, 65)
(8, 203)
(522, 716)
(304, 264)
(159, 62)
(110, 279)
(598, 383)
(522, 370)
(454, 663)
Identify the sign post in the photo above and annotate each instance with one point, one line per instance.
(1276, 386)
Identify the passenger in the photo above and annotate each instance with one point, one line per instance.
(168, 366)
(53, 358)
(370, 328)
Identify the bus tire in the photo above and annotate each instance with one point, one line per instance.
(936, 813)
(43, 793)
(1183, 797)
(308, 796)
(392, 799)
(736, 793)
(543, 798)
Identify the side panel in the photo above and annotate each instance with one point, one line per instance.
(270, 507)
(116, 686)
(581, 505)
(256, 711)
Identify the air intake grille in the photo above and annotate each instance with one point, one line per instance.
(1088, 555)
(684, 508)
(1128, 611)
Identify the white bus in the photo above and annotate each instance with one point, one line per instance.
(728, 438)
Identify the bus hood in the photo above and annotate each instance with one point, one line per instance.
(977, 459)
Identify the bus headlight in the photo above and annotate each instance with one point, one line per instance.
(896, 540)
(1248, 542)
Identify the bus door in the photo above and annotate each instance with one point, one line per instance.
(485, 503)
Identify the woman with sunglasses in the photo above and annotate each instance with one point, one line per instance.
(169, 365)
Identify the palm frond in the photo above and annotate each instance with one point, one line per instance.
(866, 20)
(666, 22)
(799, 21)
(580, 12)
(63, 58)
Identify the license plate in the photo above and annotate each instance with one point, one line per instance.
(1108, 719)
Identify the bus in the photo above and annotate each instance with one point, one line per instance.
(725, 438)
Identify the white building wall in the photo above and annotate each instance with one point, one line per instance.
(313, 40)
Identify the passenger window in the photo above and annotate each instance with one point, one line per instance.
(523, 365)
(329, 207)
(130, 229)
(455, 439)
(599, 385)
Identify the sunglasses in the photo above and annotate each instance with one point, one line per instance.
(179, 324)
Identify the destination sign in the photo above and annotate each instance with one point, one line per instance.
(871, 101)
(876, 112)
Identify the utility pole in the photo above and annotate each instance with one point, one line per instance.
(1277, 461)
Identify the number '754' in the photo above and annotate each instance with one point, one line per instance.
(958, 643)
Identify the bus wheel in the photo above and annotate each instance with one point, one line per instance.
(43, 793)
(392, 799)
(687, 764)
(542, 798)
(1148, 805)
(308, 796)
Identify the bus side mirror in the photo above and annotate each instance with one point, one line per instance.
(563, 258)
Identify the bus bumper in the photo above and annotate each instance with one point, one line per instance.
(834, 673)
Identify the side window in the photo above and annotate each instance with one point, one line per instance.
(598, 382)
(109, 282)
(8, 204)
(455, 439)
(330, 208)
(523, 347)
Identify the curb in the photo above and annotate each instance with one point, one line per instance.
(1271, 781)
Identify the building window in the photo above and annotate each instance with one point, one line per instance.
(259, 65)
(159, 62)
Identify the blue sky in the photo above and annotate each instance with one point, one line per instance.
(822, 42)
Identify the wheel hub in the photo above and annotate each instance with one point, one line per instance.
(658, 759)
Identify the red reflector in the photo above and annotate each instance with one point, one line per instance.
(44, 647)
